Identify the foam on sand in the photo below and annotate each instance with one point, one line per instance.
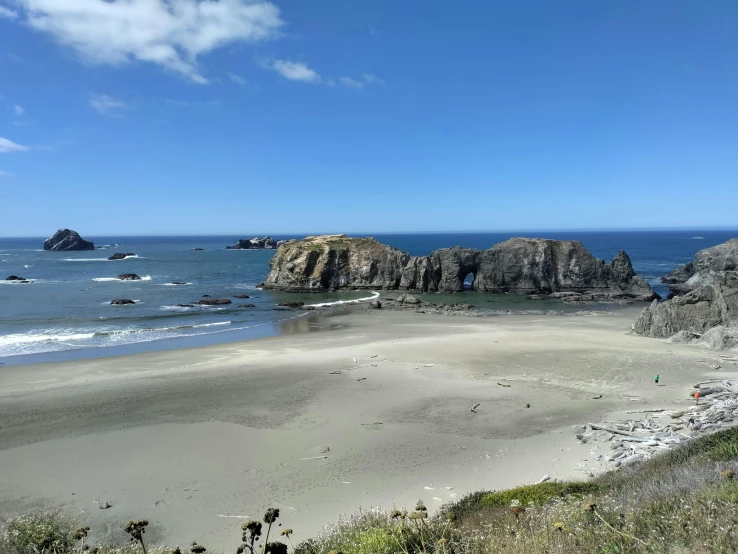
(374, 296)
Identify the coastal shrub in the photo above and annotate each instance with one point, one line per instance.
(41, 533)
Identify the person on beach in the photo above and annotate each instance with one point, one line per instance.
(697, 397)
(656, 379)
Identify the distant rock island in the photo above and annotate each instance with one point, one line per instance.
(266, 243)
(519, 265)
(717, 265)
(67, 240)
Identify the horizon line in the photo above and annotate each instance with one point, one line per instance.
(454, 232)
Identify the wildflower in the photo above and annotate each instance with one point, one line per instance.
(442, 541)
(590, 507)
(271, 515)
(418, 515)
(727, 474)
(559, 526)
(286, 532)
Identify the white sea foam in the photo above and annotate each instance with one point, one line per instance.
(9, 340)
(28, 266)
(105, 279)
(374, 296)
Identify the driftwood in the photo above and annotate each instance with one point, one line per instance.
(474, 408)
(508, 386)
(609, 429)
(646, 411)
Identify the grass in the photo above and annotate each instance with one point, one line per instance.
(684, 501)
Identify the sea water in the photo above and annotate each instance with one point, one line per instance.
(66, 307)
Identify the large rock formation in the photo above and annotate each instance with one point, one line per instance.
(717, 265)
(265, 243)
(66, 240)
(533, 266)
(695, 313)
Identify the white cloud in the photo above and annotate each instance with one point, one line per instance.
(237, 79)
(349, 82)
(7, 13)
(170, 33)
(372, 79)
(107, 105)
(295, 71)
(9, 146)
(5, 174)
(19, 110)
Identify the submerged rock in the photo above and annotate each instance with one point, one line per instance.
(129, 277)
(519, 265)
(291, 304)
(67, 240)
(122, 301)
(214, 302)
(120, 256)
(241, 295)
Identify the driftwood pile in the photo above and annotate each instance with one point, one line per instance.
(629, 442)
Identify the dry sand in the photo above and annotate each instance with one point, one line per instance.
(195, 439)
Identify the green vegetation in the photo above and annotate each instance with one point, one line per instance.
(685, 501)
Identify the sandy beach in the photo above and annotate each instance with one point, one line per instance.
(193, 440)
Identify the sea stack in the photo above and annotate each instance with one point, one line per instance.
(717, 265)
(519, 265)
(67, 240)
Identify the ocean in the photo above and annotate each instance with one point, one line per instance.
(66, 313)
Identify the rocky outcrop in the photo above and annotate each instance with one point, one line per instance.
(695, 313)
(717, 265)
(121, 256)
(529, 266)
(291, 304)
(682, 274)
(266, 243)
(122, 302)
(14, 278)
(129, 277)
(241, 295)
(214, 302)
(66, 240)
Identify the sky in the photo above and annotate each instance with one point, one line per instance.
(195, 117)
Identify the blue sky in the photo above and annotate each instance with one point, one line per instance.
(232, 116)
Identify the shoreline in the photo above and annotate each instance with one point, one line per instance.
(247, 424)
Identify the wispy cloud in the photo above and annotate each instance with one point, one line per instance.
(349, 82)
(5, 174)
(7, 13)
(7, 145)
(107, 105)
(19, 110)
(295, 71)
(163, 32)
(237, 79)
(372, 79)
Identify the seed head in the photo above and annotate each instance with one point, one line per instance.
(420, 507)
(197, 548)
(727, 474)
(517, 511)
(271, 515)
(394, 514)
(590, 507)
(286, 532)
(275, 548)
(559, 526)
(81, 533)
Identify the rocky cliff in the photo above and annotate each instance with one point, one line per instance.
(534, 266)
(66, 240)
(717, 265)
(265, 243)
(694, 313)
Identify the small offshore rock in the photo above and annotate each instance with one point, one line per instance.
(241, 295)
(129, 277)
(122, 301)
(214, 302)
(14, 278)
(121, 256)
(291, 304)
(67, 240)
(246, 306)
(375, 305)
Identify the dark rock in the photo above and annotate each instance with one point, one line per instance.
(241, 295)
(14, 278)
(291, 304)
(120, 256)
(206, 296)
(122, 301)
(129, 277)
(246, 306)
(177, 283)
(185, 305)
(214, 302)
(682, 274)
(409, 299)
(527, 266)
(266, 243)
(695, 312)
(66, 240)
(198, 249)
(375, 305)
